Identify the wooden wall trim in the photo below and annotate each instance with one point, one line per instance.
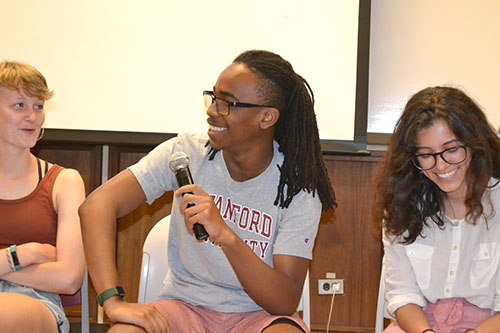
(133, 139)
(104, 137)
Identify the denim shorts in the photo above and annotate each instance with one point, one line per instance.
(52, 301)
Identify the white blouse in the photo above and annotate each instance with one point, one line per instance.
(461, 260)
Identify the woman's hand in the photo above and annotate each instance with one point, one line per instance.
(35, 253)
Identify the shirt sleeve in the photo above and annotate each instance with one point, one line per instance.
(153, 172)
(298, 226)
(496, 299)
(401, 287)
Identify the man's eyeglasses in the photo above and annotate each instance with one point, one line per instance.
(454, 155)
(222, 106)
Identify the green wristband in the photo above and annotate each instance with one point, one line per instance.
(114, 291)
(15, 259)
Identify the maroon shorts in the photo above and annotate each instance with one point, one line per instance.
(184, 317)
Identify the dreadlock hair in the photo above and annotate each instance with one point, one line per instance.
(296, 130)
(406, 197)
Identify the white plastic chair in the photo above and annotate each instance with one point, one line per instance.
(154, 261)
(155, 267)
(305, 302)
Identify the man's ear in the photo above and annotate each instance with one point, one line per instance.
(269, 118)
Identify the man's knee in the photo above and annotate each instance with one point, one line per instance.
(283, 325)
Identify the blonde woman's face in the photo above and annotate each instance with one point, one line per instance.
(21, 118)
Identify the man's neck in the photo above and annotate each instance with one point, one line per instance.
(248, 165)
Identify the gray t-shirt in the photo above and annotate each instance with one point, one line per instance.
(199, 272)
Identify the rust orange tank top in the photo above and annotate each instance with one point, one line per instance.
(32, 218)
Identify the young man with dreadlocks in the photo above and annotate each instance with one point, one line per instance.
(261, 185)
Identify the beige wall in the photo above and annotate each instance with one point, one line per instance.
(420, 43)
(135, 65)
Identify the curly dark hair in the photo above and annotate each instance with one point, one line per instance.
(296, 132)
(406, 197)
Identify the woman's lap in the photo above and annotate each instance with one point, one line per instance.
(449, 316)
(25, 302)
(20, 313)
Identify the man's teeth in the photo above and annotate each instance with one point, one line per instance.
(217, 129)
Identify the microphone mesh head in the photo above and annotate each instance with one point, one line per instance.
(178, 161)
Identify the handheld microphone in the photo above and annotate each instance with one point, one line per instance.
(179, 164)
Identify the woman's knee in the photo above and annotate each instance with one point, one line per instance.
(20, 313)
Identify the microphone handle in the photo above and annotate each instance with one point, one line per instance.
(184, 177)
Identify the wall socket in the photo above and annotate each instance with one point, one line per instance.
(327, 286)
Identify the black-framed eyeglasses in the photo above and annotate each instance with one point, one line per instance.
(222, 106)
(454, 155)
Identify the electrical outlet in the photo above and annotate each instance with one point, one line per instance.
(329, 286)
